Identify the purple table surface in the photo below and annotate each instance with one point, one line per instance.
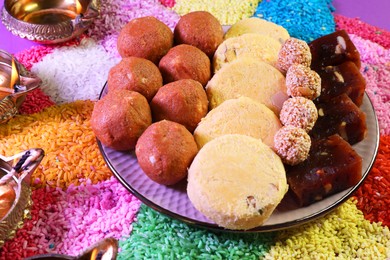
(373, 12)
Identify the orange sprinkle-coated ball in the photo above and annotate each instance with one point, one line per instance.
(292, 144)
(293, 51)
(299, 112)
(301, 81)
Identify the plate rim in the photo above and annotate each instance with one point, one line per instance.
(259, 229)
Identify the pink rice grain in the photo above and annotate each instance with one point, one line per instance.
(364, 30)
(376, 70)
(115, 14)
(371, 52)
(67, 222)
(378, 89)
(168, 3)
(33, 55)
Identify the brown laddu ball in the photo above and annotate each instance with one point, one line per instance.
(183, 101)
(119, 119)
(185, 62)
(145, 37)
(200, 29)
(136, 74)
(165, 151)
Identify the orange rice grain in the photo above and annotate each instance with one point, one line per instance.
(65, 134)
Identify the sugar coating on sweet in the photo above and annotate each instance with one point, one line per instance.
(301, 81)
(299, 112)
(293, 51)
(292, 144)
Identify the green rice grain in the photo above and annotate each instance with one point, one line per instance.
(173, 239)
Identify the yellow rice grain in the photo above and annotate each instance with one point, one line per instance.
(342, 234)
(65, 134)
(227, 12)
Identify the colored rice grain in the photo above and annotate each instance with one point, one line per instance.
(74, 73)
(64, 133)
(168, 3)
(33, 55)
(156, 236)
(371, 52)
(364, 30)
(227, 12)
(35, 102)
(67, 222)
(306, 20)
(114, 14)
(25, 243)
(373, 197)
(378, 89)
(376, 70)
(342, 234)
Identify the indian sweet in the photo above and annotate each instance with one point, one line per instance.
(292, 144)
(333, 49)
(165, 151)
(183, 101)
(200, 29)
(136, 74)
(301, 81)
(332, 166)
(293, 51)
(236, 181)
(238, 116)
(185, 62)
(145, 37)
(299, 112)
(250, 78)
(258, 46)
(260, 26)
(344, 78)
(340, 116)
(119, 119)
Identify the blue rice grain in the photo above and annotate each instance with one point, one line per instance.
(305, 20)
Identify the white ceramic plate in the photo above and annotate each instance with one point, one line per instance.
(173, 200)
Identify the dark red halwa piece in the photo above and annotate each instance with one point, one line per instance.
(332, 166)
(333, 49)
(340, 116)
(344, 78)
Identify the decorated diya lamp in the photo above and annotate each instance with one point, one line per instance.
(49, 22)
(15, 83)
(15, 193)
